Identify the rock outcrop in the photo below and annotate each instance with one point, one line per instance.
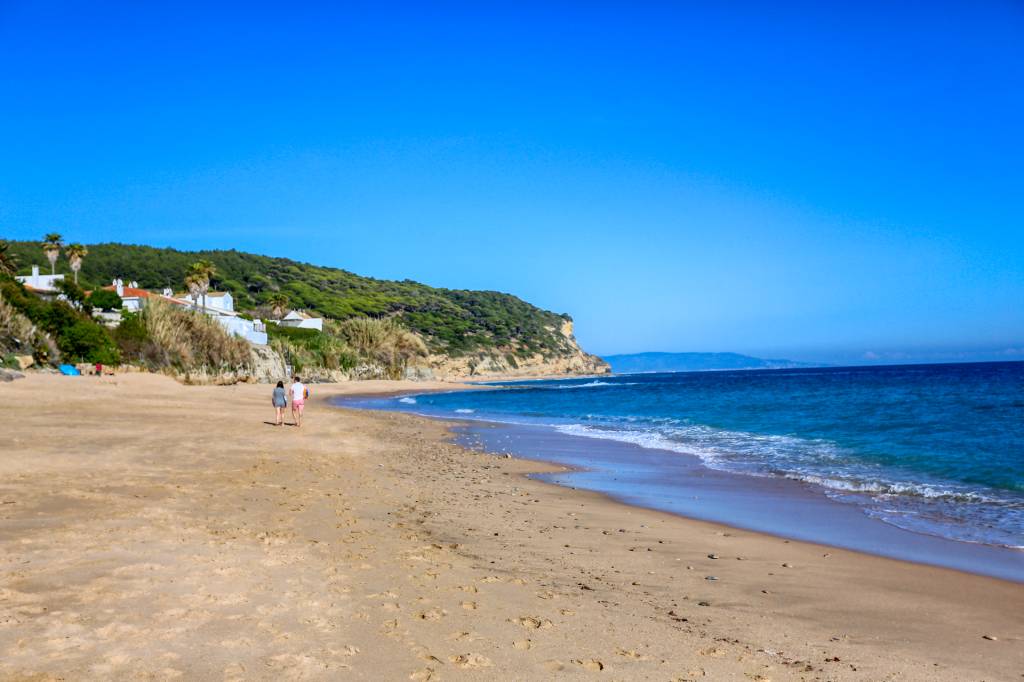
(267, 364)
(569, 361)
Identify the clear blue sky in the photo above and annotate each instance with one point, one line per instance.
(832, 181)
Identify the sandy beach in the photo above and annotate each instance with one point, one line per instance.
(150, 530)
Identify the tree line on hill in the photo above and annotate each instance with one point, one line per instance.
(384, 323)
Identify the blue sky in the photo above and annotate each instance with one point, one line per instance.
(827, 181)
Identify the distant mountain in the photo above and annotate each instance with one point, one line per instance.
(694, 362)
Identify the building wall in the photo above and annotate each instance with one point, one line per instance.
(38, 281)
(249, 330)
(316, 323)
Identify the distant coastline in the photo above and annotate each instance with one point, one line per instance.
(647, 363)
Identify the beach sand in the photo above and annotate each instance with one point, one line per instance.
(150, 530)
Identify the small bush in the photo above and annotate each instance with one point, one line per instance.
(104, 299)
(87, 341)
(132, 337)
(75, 295)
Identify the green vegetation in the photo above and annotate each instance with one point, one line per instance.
(344, 345)
(8, 262)
(104, 299)
(455, 322)
(51, 330)
(85, 340)
(303, 348)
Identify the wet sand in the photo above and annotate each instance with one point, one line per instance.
(150, 530)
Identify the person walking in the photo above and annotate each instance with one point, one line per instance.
(280, 401)
(299, 395)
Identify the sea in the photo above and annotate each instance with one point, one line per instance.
(916, 461)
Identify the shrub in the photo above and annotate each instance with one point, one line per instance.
(104, 299)
(384, 342)
(132, 337)
(75, 295)
(88, 341)
(18, 333)
(307, 348)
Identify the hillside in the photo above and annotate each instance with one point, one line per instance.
(693, 362)
(503, 329)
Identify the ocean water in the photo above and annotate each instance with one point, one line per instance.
(934, 449)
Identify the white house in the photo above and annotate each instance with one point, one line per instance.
(253, 331)
(43, 283)
(132, 297)
(302, 320)
(215, 301)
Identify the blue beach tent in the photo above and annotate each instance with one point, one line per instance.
(70, 370)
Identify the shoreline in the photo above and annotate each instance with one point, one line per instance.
(368, 544)
(742, 501)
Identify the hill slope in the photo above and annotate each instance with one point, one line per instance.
(454, 323)
(693, 362)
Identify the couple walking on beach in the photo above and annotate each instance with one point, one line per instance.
(299, 393)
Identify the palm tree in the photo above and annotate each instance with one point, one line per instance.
(52, 244)
(8, 261)
(198, 279)
(278, 302)
(75, 253)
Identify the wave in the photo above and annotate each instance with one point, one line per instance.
(777, 456)
(465, 411)
(407, 400)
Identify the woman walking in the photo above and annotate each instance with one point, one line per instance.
(299, 395)
(280, 401)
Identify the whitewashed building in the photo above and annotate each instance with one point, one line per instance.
(219, 305)
(302, 320)
(215, 300)
(41, 283)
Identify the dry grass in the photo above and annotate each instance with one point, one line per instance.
(19, 335)
(191, 341)
(382, 342)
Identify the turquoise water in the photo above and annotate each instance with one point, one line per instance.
(936, 449)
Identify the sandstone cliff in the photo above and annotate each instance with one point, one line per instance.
(569, 360)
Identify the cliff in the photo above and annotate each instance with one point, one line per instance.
(570, 360)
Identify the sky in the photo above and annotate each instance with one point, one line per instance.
(837, 182)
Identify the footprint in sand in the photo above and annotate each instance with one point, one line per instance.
(531, 623)
(591, 664)
(469, 605)
(423, 675)
(471, 661)
(522, 644)
(432, 614)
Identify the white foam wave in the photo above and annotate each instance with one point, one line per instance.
(465, 411)
(761, 455)
(882, 488)
(407, 400)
